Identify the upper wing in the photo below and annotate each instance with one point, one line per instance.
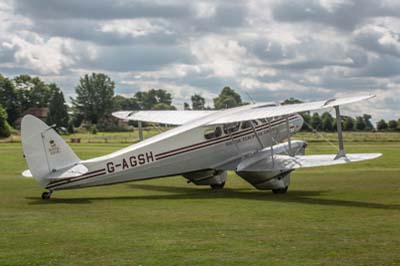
(274, 111)
(163, 117)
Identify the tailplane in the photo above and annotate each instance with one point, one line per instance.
(46, 153)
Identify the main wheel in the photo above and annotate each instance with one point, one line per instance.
(280, 190)
(46, 195)
(218, 186)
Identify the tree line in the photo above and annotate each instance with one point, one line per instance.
(326, 122)
(95, 100)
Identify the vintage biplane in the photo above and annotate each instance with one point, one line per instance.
(202, 147)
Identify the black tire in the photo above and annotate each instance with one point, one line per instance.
(46, 195)
(218, 186)
(280, 190)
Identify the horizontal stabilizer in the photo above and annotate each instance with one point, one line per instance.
(285, 162)
(76, 170)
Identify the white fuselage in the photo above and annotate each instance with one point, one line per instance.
(180, 151)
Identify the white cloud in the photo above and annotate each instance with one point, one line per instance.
(205, 9)
(132, 27)
(46, 56)
(222, 55)
(273, 49)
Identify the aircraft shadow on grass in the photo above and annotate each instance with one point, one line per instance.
(175, 193)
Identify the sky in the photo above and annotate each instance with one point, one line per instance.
(268, 50)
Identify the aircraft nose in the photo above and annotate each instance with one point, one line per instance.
(299, 122)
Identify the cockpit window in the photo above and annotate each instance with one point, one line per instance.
(231, 127)
(212, 132)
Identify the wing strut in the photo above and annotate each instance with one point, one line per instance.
(272, 142)
(255, 134)
(289, 139)
(140, 130)
(341, 152)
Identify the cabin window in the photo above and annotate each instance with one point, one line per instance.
(213, 132)
(247, 124)
(231, 127)
(276, 118)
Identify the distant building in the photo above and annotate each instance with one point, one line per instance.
(39, 112)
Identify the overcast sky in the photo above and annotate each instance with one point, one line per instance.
(270, 49)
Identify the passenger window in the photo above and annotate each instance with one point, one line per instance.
(247, 124)
(231, 127)
(218, 132)
(211, 133)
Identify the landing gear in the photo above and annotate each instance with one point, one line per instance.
(217, 186)
(280, 190)
(46, 195)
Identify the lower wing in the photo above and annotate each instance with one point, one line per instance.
(286, 163)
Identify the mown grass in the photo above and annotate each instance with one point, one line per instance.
(341, 215)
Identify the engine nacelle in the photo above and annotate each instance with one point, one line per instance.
(267, 180)
(207, 177)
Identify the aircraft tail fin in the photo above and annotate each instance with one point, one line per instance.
(46, 153)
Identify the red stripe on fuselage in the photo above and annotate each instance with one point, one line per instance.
(81, 177)
(218, 140)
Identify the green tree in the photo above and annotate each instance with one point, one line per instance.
(327, 121)
(228, 98)
(316, 122)
(307, 121)
(291, 100)
(58, 110)
(367, 122)
(186, 106)
(122, 103)
(163, 106)
(9, 99)
(5, 129)
(94, 98)
(381, 125)
(392, 125)
(148, 99)
(32, 92)
(360, 123)
(198, 102)
(348, 124)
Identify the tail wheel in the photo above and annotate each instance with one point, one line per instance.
(218, 186)
(280, 190)
(46, 195)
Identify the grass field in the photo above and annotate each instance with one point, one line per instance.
(342, 215)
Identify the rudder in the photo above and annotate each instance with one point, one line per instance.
(44, 150)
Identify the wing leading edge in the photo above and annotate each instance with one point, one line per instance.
(180, 117)
(176, 117)
(280, 110)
